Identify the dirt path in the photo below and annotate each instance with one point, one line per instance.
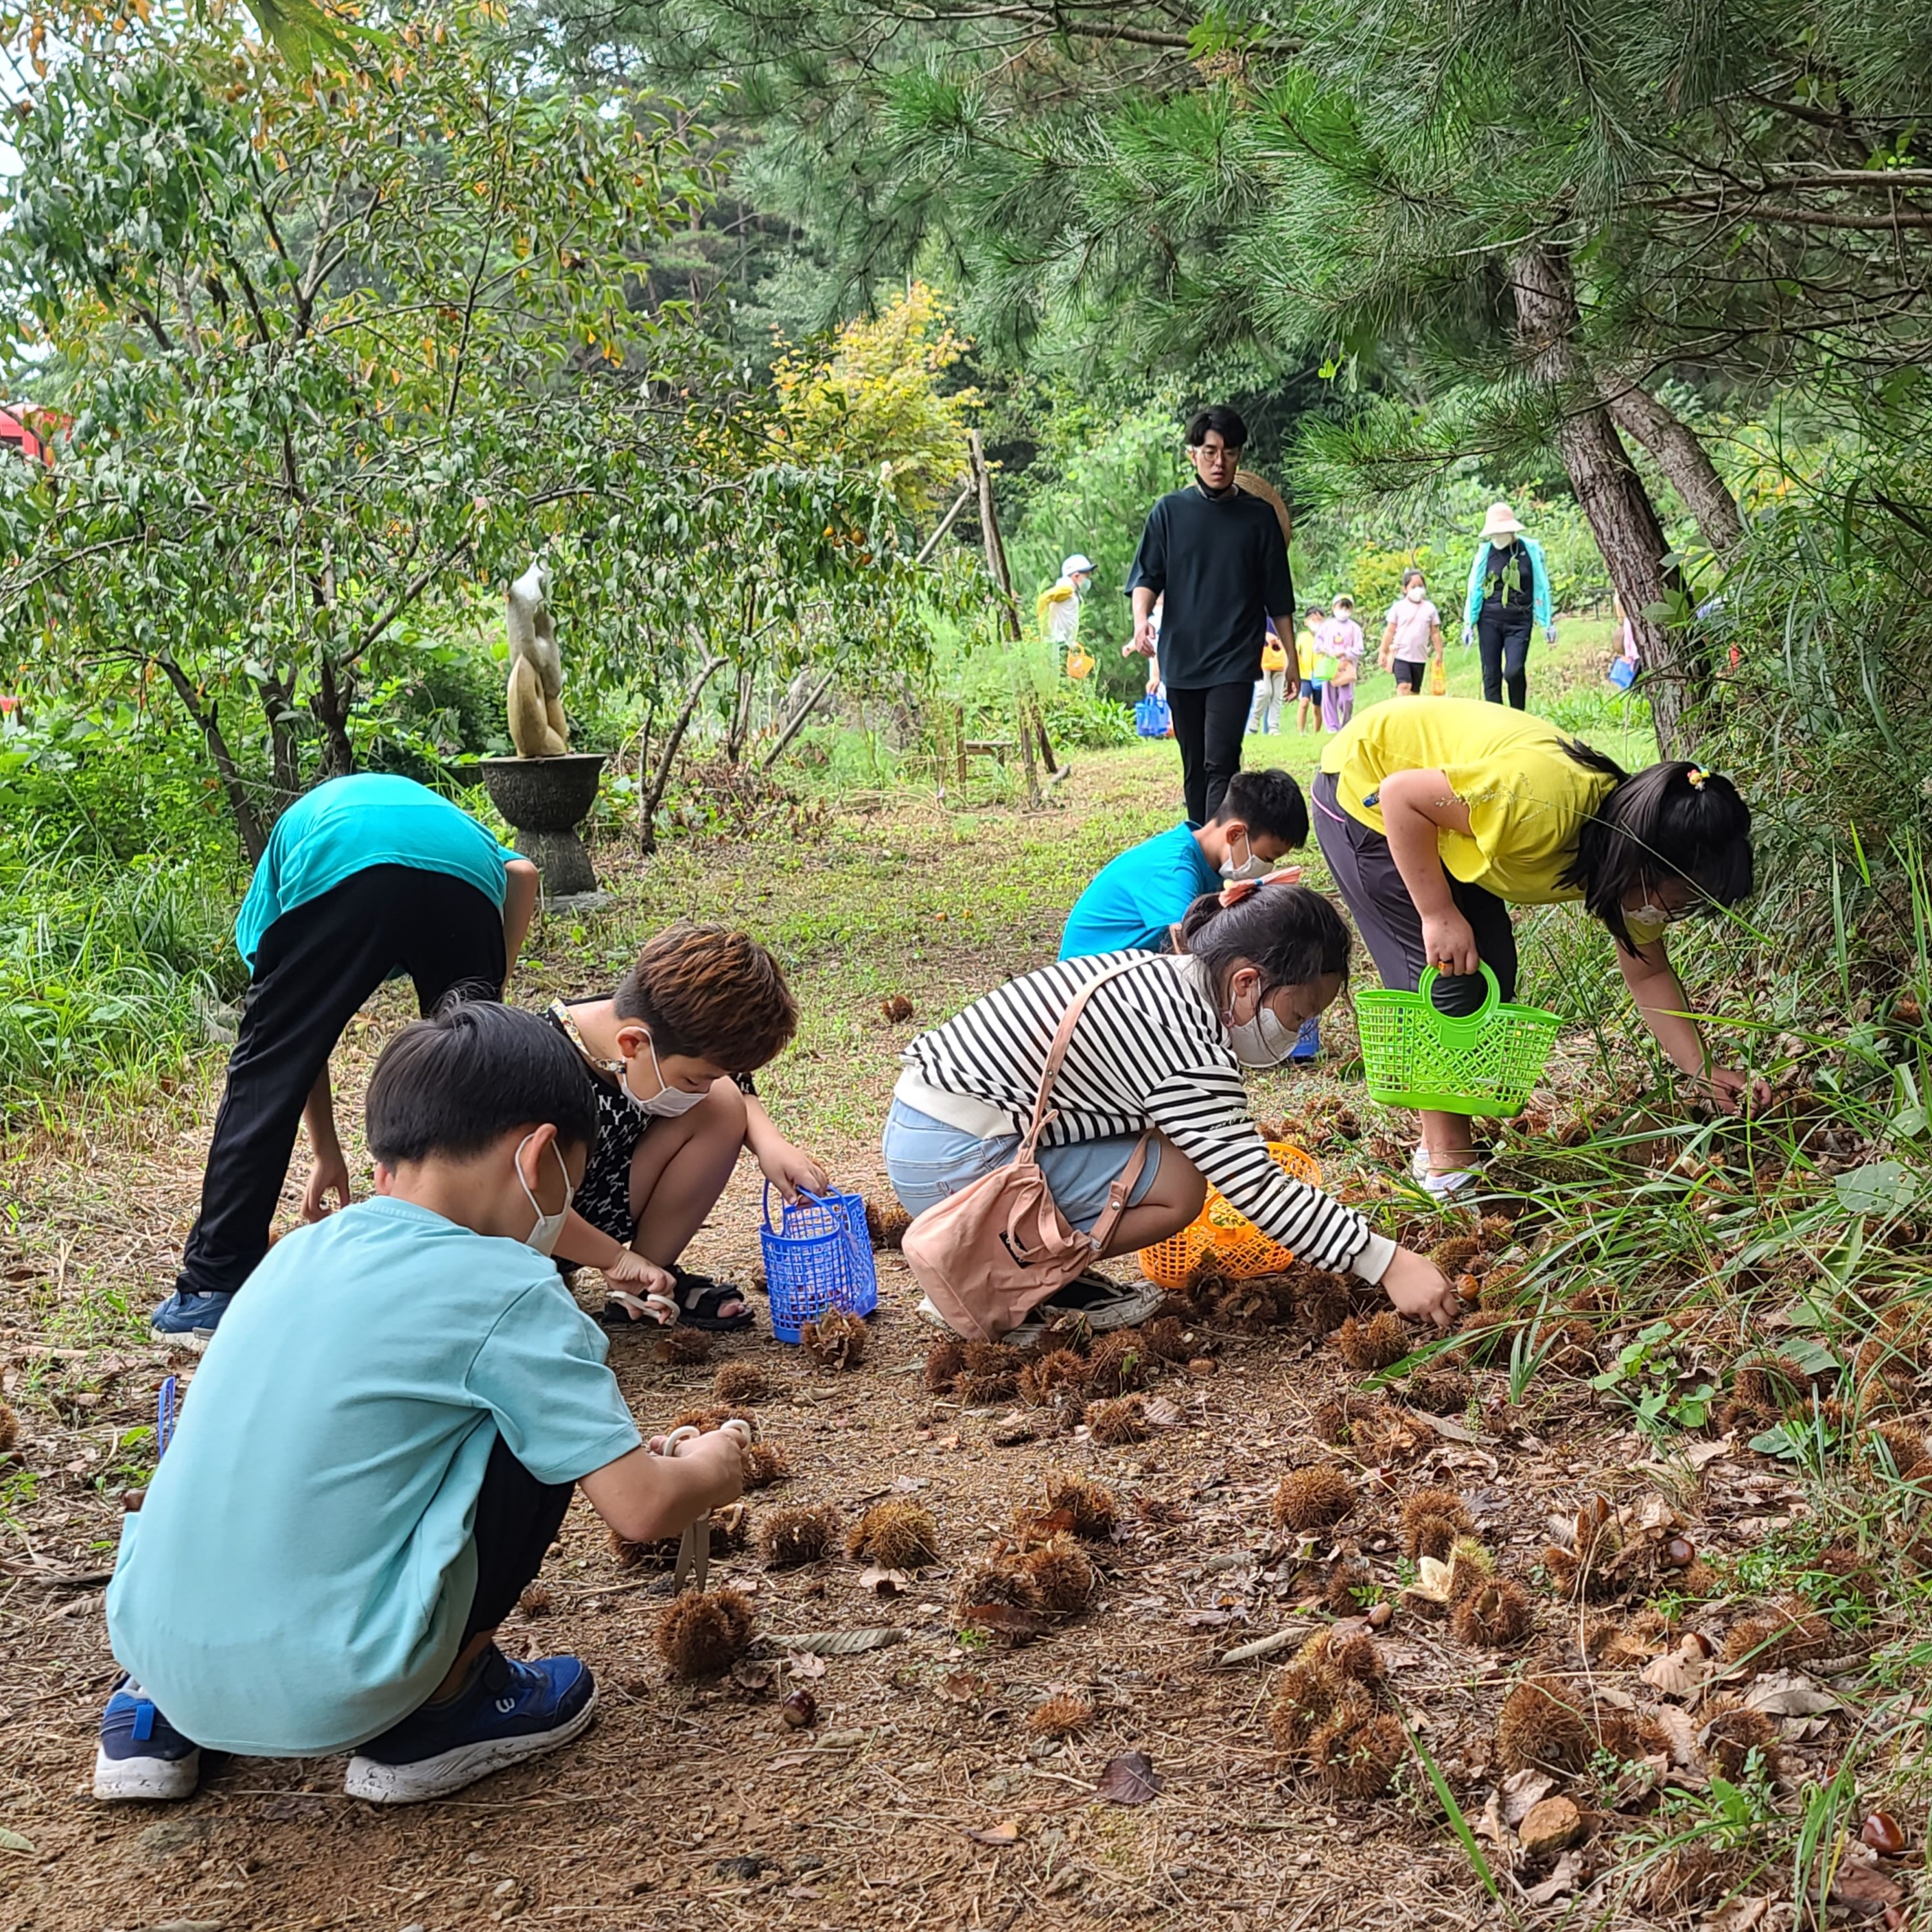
(919, 1797)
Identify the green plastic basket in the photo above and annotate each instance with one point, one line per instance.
(1416, 1055)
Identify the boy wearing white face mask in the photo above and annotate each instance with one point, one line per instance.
(1157, 1049)
(390, 1423)
(671, 1053)
(1138, 896)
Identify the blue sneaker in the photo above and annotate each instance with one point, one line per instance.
(1307, 1041)
(507, 1712)
(142, 1756)
(191, 1318)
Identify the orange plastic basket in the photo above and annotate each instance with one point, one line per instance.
(1223, 1239)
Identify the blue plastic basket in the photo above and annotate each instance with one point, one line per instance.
(818, 1256)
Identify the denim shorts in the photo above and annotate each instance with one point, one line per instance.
(926, 1160)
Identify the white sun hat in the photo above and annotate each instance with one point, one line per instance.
(1077, 562)
(1500, 522)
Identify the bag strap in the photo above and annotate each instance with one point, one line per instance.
(1063, 1039)
(1102, 1231)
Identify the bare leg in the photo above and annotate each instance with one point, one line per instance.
(1173, 1201)
(680, 1168)
(1450, 1144)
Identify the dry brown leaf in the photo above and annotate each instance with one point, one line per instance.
(886, 1583)
(1867, 1892)
(1128, 1779)
(1681, 1672)
(1160, 1413)
(1560, 1882)
(1523, 1791)
(1789, 1693)
(1676, 1725)
(1004, 1621)
(1006, 1832)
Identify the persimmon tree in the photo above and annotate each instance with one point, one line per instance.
(330, 343)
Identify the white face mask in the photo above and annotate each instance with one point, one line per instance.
(1252, 867)
(549, 1229)
(1262, 1041)
(668, 1101)
(1653, 917)
(1415, 593)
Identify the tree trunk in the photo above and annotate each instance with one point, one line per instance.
(334, 695)
(647, 814)
(1682, 456)
(1027, 712)
(208, 721)
(1621, 516)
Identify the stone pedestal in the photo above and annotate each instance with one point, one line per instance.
(547, 799)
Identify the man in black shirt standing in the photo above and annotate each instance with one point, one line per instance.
(1218, 555)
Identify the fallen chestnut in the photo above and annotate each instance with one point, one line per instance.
(1884, 1834)
(1379, 1615)
(1680, 1552)
(799, 1710)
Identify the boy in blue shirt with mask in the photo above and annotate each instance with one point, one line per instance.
(1135, 899)
(394, 1417)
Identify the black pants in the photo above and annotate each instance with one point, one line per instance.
(316, 966)
(517, 1519)
(1502, 636)
(1209, 724)
(1364, 872)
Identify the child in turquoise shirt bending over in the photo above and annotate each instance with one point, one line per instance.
(379, 1450)
(1135, 900)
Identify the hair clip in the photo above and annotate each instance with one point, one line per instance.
(1696, 775)
(1236, 890)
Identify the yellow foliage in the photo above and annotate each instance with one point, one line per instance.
(873, 401)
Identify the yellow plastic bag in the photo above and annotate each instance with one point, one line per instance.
(1438, 680)
(1078, 663)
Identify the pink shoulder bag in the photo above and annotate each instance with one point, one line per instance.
(989, 1255)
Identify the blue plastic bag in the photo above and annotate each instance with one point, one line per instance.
(1623, 673)
(1152, 718)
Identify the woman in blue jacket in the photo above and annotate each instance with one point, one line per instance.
(1509, 590)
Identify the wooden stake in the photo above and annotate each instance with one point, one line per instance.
(996, 568)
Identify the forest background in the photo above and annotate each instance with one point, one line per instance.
(330, 323)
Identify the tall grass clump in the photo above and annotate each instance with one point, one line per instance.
(111, 978)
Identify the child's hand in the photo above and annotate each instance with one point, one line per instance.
(329, 1175)
(789, 1169)
(642, 1287)
(1735, 1091)
(1418, 1288)
(718, 1452)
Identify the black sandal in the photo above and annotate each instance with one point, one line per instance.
(700, 1296)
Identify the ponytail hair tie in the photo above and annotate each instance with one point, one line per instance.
(1696, 776)
(1236, 890)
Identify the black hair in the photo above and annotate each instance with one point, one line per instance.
(1412, 575)
(1672, 820)
(454, 1084)
(1222, 422)
(1269, 803)
(1291, 933)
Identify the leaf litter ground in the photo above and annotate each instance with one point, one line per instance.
(949, 1779)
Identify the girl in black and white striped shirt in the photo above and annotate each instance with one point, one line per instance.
(1160, 1047)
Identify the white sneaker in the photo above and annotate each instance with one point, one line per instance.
(1446, 1186)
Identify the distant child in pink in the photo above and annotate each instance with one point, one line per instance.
(1342, 644)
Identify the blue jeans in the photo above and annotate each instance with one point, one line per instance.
(926, 1160)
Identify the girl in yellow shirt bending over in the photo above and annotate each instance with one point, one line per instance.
(1436, 819)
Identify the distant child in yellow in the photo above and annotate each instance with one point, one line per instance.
(1306, 650)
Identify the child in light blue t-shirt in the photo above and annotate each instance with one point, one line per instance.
(379, 1449)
